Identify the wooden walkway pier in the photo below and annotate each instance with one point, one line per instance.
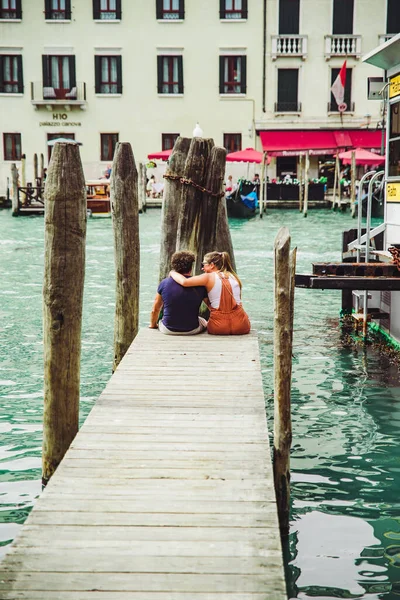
(167, 491)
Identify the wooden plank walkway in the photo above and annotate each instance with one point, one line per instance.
(166, 492)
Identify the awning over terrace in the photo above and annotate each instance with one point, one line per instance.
(318, 141)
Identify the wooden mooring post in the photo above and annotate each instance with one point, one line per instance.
(64, 272)
(194, 213)
(301, 183)
(285, 266)
(125, 218)
(306, 173)
(14, 200)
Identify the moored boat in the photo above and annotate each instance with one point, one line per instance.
(243, 202)
(98, 197)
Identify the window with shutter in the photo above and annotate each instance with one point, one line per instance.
(12, 146)
(107, 10)
(288, 81)
(10, 9)
(11, 78)
(170, 74)
(343, 11)
(170, 10)
(57, 10)
(232, 74)
(289, 17)
(393, 16)
(333, 107)
(168, 140)
(108, 74)
(232, 142)
(59, 80)
(233, 9)
(108, 142)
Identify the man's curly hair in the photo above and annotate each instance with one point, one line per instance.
(182, 262)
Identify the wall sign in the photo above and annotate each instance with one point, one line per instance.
(394, 88)
(393, 192)
(60, 120)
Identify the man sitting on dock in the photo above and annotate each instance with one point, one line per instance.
(180, 305)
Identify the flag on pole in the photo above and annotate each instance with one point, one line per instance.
(338, 86)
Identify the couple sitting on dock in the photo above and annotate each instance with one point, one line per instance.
(181, 295)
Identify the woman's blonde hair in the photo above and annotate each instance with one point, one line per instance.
(223, 263)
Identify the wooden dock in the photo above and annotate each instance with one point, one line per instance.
(167, 492)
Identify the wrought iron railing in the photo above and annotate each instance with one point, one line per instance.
(74, 94)
(288, 107)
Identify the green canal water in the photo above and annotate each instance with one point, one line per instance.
(345, 520)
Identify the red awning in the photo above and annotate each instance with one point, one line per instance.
(317, 141)
(162, 155)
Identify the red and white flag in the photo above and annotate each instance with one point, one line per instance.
(338, 86)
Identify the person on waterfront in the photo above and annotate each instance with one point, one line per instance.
(149, 187)
(227, 315)
(229, 185)
(256, 178)
(180, 305)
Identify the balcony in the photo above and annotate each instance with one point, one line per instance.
(384, 37)
(287, 107)
(289, 45)
(342, 45)
(52, 97)
(333, 108)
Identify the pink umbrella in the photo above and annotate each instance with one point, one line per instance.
(163, 155)
(363, 157)
(248, 155)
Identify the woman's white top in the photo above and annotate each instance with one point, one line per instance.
(214, 295)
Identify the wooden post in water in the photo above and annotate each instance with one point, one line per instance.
(306, 168)
(171, 205)
(213, 227)
(195, 171)
(301, 183)
(42, 182)
(14, 201)
(261, 199)
(23, 178)
(142, 187)
(125, 217)
(353, 184)
(64, 271)
(35, 169)
(285, 264)
(335, 181)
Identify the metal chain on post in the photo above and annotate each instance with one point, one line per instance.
(186, 181)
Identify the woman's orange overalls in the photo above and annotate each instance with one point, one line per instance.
(230, 318)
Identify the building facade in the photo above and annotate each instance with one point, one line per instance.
(102, 71)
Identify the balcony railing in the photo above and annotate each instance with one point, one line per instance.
(289, 45)
(43, 95)
(287, 107)
(342, 45)
(333, 108)
(384, 37)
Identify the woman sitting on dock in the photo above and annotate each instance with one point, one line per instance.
(227, 316)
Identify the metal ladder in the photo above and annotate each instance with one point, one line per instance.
(358, 244)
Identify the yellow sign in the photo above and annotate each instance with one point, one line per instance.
(394, 89)
(393, 192)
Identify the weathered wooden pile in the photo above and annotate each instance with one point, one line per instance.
(194, 210)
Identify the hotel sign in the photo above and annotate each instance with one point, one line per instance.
(394, 89)
(60, 120)
(393, 192)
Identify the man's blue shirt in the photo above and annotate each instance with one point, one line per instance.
(181, 305)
